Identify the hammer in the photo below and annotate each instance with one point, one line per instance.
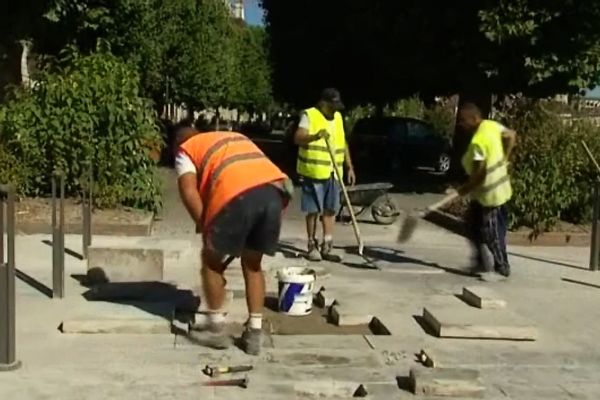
(242, 382)
(214, 371)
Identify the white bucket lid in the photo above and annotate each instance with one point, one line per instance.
(296, 274)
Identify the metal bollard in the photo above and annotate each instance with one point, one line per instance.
(58, 237)
(595, 243)
(8, 361)
(86, 209)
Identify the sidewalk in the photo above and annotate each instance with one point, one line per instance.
(427, 272)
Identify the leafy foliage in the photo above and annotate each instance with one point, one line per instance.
(378, 51)
(89, 113)
(551, 184)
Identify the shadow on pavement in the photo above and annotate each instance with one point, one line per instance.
(34, 283)
(68, 251)
(156, 298)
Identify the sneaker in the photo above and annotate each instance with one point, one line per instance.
(313, 251)
(214, 337)
(252, 341)
(327, 253)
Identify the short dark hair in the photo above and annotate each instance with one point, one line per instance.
(471, 108)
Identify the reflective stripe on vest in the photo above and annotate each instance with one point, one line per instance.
(496, 189)
(314, 160)
(227, 164)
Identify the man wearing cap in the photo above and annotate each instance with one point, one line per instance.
(320, 188)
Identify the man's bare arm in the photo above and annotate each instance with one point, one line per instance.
(509, 141)
(302, 137)
(476, 179)
(188, 191)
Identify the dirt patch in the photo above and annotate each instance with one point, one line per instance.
(39, 210)
(316, 323)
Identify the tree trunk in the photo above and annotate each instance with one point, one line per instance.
(25, 81)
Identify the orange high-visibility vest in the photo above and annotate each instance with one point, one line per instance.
(227, 164)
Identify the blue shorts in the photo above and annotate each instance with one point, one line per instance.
(320, 197)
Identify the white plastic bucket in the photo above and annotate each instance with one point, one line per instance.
(296, 286)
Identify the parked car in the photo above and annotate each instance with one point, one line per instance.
(393, 142)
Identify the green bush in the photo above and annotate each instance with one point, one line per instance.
(552, 176)
(411, 107)
(442, 118)
(88, 112)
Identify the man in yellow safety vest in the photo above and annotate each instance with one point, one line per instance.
(486, 163)
(320, 188)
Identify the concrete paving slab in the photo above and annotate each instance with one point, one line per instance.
(324, 358)
(342, 316)
(125, 264)
(470, 323)
(133, 317)
(446, 382)
(483, 297)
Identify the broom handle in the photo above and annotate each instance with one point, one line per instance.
(443, 202)
(590, 155)
(338, 175)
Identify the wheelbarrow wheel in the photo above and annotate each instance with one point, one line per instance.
(384, 210)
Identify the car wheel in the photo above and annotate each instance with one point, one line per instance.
(443, 163)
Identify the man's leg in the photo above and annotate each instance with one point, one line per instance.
(331, 204)
(208, 329)
(493, 238)
(255, 300)
(310, 204)
(226, 236)
(504, 265)
(263, 238)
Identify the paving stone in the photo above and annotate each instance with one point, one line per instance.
(471, 323)
(446, 382)
(326, 389)
(133, 317)
(341, 317)
(125, 264)
(483, 297)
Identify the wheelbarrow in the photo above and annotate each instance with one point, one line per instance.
(375, 196)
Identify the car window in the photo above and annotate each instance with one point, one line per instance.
(369, 127)
(418, 131)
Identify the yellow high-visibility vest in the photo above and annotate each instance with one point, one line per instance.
(496, 190)
(314, 160)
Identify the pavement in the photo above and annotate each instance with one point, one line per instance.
(429, 271)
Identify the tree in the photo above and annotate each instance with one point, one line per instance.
(378, 51)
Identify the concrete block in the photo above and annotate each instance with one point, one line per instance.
(342, 317)
(125, 264)
(483, 297)
(475, 324)
(446, 382)
(326, 389)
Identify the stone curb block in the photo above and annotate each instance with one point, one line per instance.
(341, 317)
(116, 326)
(482, 297)
(446, 382)
(98, 228)
(126, 264)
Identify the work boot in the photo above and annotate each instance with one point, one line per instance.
(328, 254)
(213, 336)
(252, 341)
(313, 253)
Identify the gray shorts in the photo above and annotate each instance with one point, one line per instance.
(320, 196)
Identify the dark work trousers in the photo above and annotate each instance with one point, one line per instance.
(487, 228)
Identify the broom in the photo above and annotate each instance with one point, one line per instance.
(409, 225)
